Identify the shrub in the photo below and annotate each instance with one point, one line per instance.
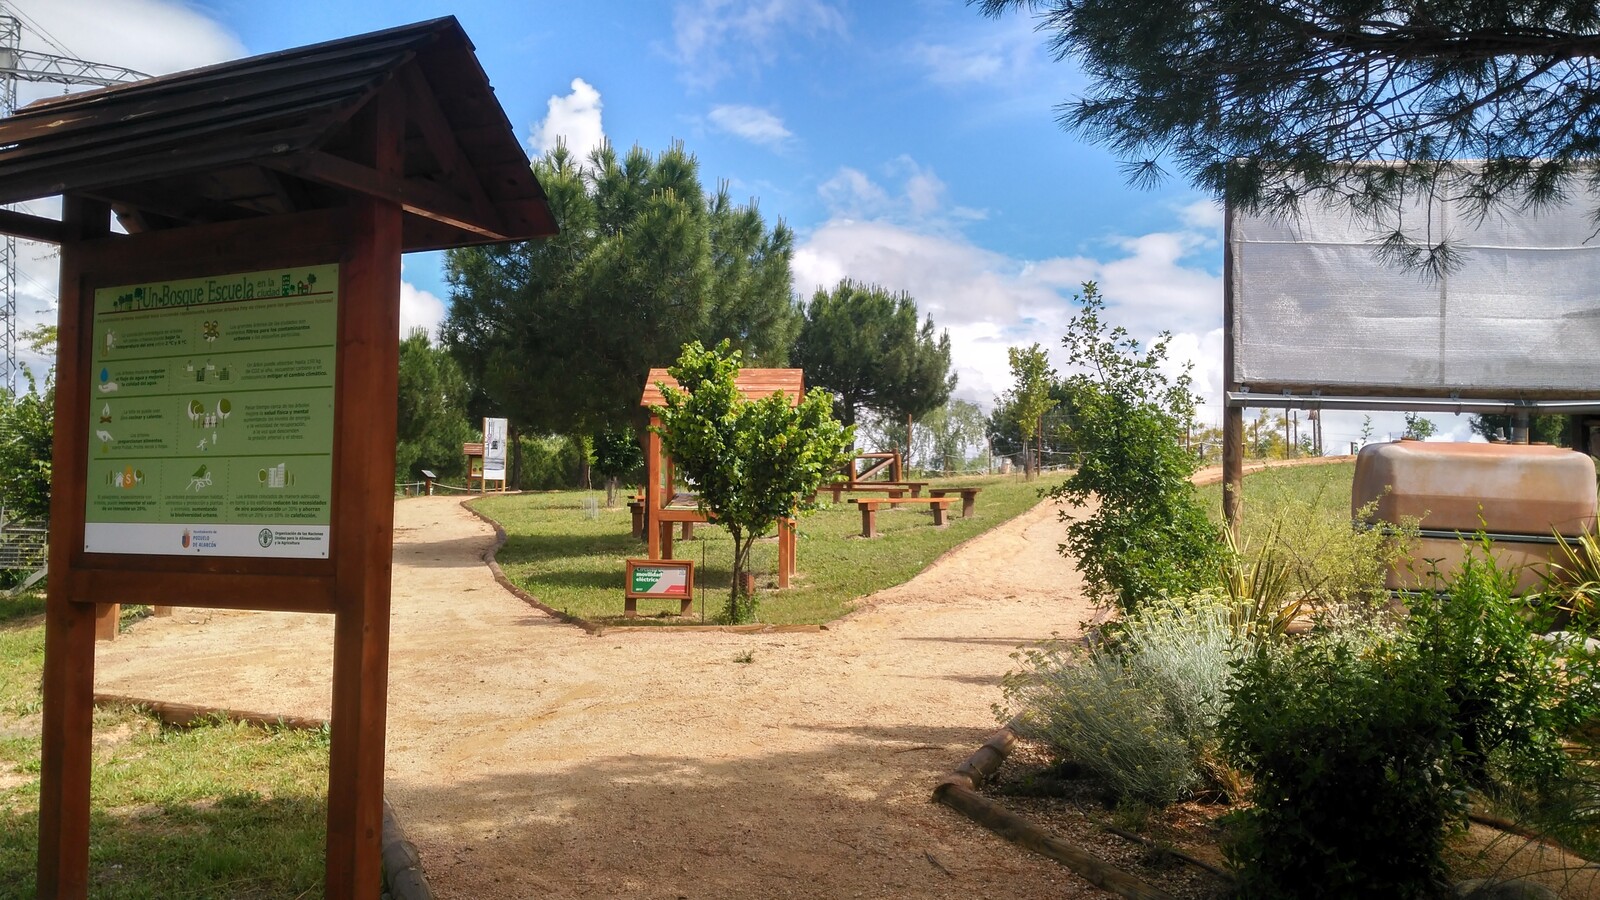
(1139, 715)
(1350, 755)
(1511, 700)
(549, 463)
(1148, 534)
(1362, 755)
(1308, 535)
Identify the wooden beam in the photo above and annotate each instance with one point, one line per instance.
(1232, 416)
(419, 198)
(33, 228)
(68, 726)
(363, 512)
(439, 136)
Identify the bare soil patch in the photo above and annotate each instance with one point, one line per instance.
(529, 759)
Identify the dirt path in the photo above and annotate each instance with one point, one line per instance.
(528, 759)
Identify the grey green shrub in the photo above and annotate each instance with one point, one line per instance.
(1140, 715)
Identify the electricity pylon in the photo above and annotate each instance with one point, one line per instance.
(17, 64)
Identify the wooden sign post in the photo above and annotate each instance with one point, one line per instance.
(225, 415)
(658, 579)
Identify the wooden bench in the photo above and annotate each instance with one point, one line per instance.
(892, 488)
(969, 497)
(869, 510)
(636, 507)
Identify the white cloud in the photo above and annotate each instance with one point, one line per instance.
(155, 37)
(754, 124)
(1202, 215)
(419, 309)
(906, 240)
(919, 198)
(713, 39)
(1006, 52)
(573, 118)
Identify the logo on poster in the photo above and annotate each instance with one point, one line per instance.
(265, 537)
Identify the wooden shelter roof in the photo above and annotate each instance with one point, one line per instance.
(751, 383)
(272, 134)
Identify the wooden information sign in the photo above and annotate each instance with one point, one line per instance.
(225, 415)
(658, 579)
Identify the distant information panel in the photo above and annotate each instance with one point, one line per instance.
(211, 416)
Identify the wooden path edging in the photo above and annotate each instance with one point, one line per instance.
(595, 628)
(186, 715)
(402, 864)
(958, 790)
(519, 593)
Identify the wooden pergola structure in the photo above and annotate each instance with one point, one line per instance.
(666, 506)
(335, 158)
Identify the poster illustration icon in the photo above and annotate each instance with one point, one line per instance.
(265, 537)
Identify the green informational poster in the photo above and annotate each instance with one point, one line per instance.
(211, 415)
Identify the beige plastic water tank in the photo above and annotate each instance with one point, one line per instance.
(1517, 493)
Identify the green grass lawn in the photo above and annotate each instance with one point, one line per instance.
(572, 562)
(223, 810)
(1323, 487)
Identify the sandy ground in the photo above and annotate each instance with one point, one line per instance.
(528, 759)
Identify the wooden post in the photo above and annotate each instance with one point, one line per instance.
(107, 616)
(363, 526)
(652, 490)
(786, 547)
(67, 730)
(1232, 416)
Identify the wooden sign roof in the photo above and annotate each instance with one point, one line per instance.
(752, 383)
(271, 134)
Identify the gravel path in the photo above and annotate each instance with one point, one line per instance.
(528, 759)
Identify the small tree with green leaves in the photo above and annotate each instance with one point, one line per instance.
(1029, 398)
(1419, 428)
(616, 453)
(751, 461)
(1148, 534)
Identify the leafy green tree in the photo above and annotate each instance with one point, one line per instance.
(558, 334)
(26, 430)
(432, 401)
(27, 426)
(1419, 428)
(616, 454)
(752, 461)
(949, 434)
(863, 344)
(1148, 533)
(1007, 436)
(1029, 398)
(1264, 101)
(1543, 429)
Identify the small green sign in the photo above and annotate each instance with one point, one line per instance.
(211, 415)
(660, 581)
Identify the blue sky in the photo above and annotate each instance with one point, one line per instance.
(910, 143)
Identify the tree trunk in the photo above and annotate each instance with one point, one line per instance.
(741, 553)
(1038, 462)
(612, 484)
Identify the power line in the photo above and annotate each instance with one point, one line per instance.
(17, 64)
(39, 30)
